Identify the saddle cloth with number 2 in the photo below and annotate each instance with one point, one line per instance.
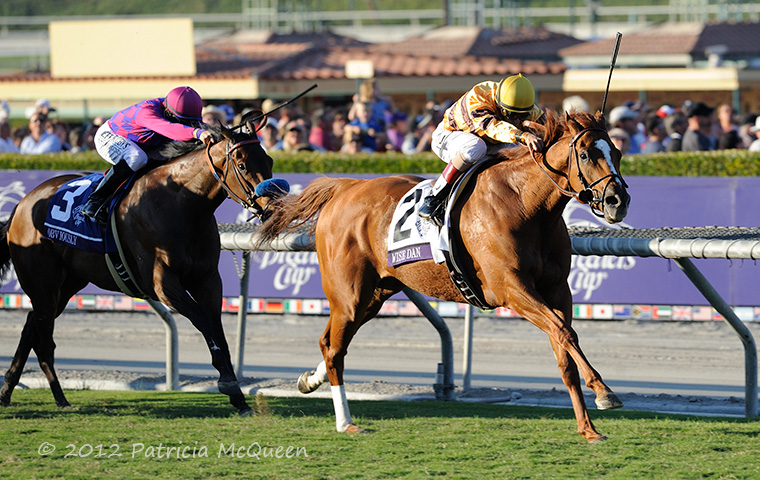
(411, 238)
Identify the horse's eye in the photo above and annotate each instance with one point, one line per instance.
(584, 156)
(241, 166)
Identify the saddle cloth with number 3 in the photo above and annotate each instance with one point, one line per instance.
(411, 238)
(65, 222)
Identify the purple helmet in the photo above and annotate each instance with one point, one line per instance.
(184, 103)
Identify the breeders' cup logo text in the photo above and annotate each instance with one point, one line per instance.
(293, 270)
(10, 195)
(588, 273)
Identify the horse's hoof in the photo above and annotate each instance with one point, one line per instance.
(608, 402)
(355, 429)
(246, 412)
(68, 407)
(601, 439)
(3, 403)
(303, 382)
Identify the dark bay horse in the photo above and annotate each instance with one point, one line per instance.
(510, 226)
(167, 226)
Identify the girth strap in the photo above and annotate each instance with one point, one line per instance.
(453, 261)
(117, 265)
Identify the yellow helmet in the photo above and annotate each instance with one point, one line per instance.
(515, 94)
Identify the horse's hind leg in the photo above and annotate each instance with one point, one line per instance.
(13, 374)
(345, 320)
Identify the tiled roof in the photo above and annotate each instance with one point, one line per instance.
(458, 51)
(452, 51)
(521, 43)
(741, 39)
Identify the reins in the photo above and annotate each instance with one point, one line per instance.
(222, 175)
(587, 195)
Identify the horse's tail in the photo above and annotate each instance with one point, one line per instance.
(5, 251)
(293, 211)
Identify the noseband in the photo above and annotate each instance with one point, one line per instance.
(587, 195)
(222, 175)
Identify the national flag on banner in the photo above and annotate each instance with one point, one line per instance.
(602, 311)
(716, 316)
(448, 309)
(225, 306)
(701, 313)
(407, 308)
(274, 306)
(233, 304)
(642, 312)
(389, 308)
(86, 302)
(140, 305)
(325, 307)
(662, 312)
(103, 302)
(26, 302)
(12, 300)
(256, 305)
(582, 311)
(622, 312)
(745, 314)
(311, 306)
(293, 306)
(504, 312)
(757, 314)
(681, 312)
(122, 303)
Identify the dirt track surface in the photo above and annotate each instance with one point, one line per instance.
(695, 367)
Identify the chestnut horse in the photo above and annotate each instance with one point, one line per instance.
(509, 226)
(169, 233)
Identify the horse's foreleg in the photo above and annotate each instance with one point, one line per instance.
(569, 373)
(310, 381)
(206, 317)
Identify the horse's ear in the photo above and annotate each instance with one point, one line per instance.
(226, 132)
(599, 117)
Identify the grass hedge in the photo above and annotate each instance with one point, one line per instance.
(722, 163)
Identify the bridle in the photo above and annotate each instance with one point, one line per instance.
(587, 194)
(230, 167)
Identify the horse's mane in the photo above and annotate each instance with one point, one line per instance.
(177, 149)
(553, 126)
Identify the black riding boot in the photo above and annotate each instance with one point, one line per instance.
(432, 208)
(95, 207)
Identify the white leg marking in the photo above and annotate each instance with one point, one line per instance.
(342, 415)
(319, 377)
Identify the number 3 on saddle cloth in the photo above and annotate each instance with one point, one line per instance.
(411, 238)
(65, 223)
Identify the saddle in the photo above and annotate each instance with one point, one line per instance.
(65, 223)
(411, 238)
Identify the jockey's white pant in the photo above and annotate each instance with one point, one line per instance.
(115, 148)
(463, 148)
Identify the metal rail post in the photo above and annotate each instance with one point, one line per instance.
(172, 343)
(750, 350)
(242, 316)
(469, 315)
(444, 391)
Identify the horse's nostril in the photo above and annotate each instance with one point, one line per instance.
(612, 201)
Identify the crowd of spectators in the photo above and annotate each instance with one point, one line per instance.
(372, 123)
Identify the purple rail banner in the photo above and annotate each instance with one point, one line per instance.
(602, 286)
